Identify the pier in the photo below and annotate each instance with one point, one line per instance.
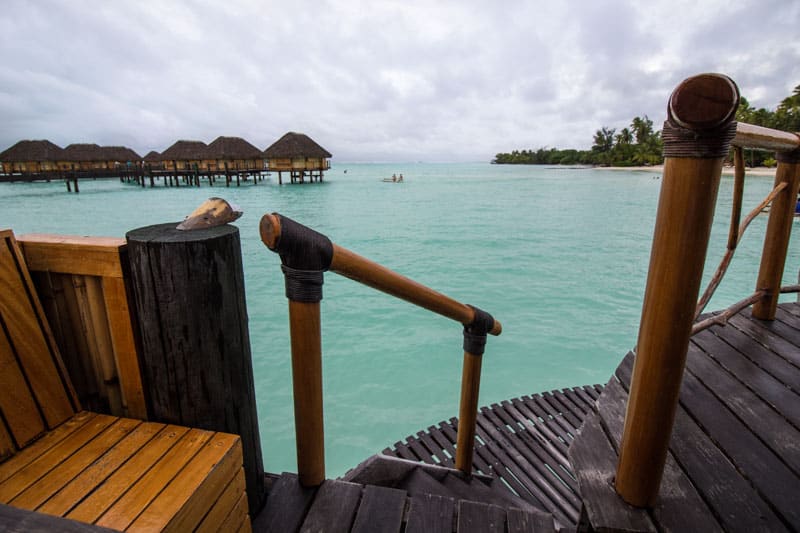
(131, 398)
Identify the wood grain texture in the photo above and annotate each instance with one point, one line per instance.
(90, 256)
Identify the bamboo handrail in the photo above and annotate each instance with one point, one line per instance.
(761, 138)
(305, 255)
(362, 270)
(735, 233)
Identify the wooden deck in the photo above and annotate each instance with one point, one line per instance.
(734, 461)
(523, 442)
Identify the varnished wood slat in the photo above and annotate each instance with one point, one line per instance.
(184, 502)
(736, 502)
(238, 519)
(381, 510)
(41, 445)
(334, 507)
(430, 514)
(42, 464)
(73, 492)
(67, 469)
(127, 475)
(127, 508)
(223, 506)
(29, 337)
(105, 348)
(90, 256)
(286, 507)
(7, 447)
(475, 517)
(87, 331)
(127, 360)
(678, 507)
(17, 403)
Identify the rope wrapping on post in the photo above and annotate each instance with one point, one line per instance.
(475, 332)
(305, 256)
(708, 144)
(792, 157)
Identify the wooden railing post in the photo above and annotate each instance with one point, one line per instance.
(776, 239)
(697, 137)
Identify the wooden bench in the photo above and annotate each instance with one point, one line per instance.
(120, 473)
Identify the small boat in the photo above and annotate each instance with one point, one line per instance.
(393, 179)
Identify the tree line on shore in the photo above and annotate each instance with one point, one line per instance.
(639, 144)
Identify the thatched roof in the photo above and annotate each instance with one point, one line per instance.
(232, 148)
(296, 145)
(119, 153)
(23, 151)
(83, 152)
(185, 150)
(152, 157)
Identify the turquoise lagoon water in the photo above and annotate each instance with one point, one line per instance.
(559, 256)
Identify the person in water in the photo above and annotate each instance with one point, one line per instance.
(400, 178)
(394, 177)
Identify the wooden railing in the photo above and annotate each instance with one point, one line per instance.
(305, 255)
(81, 284)
(697, 137)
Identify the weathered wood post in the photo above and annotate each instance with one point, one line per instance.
(779, 231)
(697, 138)
(196, 361)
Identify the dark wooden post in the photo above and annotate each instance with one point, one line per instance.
(468, 411)
(776, 239)
(697, 138)
(196, 362)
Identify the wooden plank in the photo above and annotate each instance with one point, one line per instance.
(479, 462)
(125, 354)
(554, 446)
(533, 460)
(7, 447)
(678, 507)
(766, 337)
(475, 517)
(13, 520)
(236, 519)
(17, 404)
(125, 510)
(73, 492)
(105, 349)
(41, 445)
(381, 510)
(555, 439)
(226, 503)
(286, 507)
(764, 421)
(127, 475)
(334, 507)
(528, 522)
(753, 459)
(438, 456)
(66, 470)
(41, 465)
(736, 503)
(566, 410)
(89, 256)
(184, 502)
(430, 514)
(87, 331)
(25, 326)
(594, 462)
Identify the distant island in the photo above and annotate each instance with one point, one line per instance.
(640, 145)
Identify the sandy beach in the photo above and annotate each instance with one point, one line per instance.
(757, 171)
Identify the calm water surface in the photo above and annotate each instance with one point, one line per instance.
(559, 256)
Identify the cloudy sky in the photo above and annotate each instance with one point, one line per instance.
(375, 80)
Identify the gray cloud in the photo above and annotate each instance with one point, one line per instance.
(373, 81)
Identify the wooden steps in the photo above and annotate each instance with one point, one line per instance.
(524, 443)
(339, 506)
(734, 463)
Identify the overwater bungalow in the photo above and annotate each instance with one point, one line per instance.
(30, 157)
(153, 160)
(299, 155)
(232, 153)
(184, 155)
(120, 157)
(129, 399)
